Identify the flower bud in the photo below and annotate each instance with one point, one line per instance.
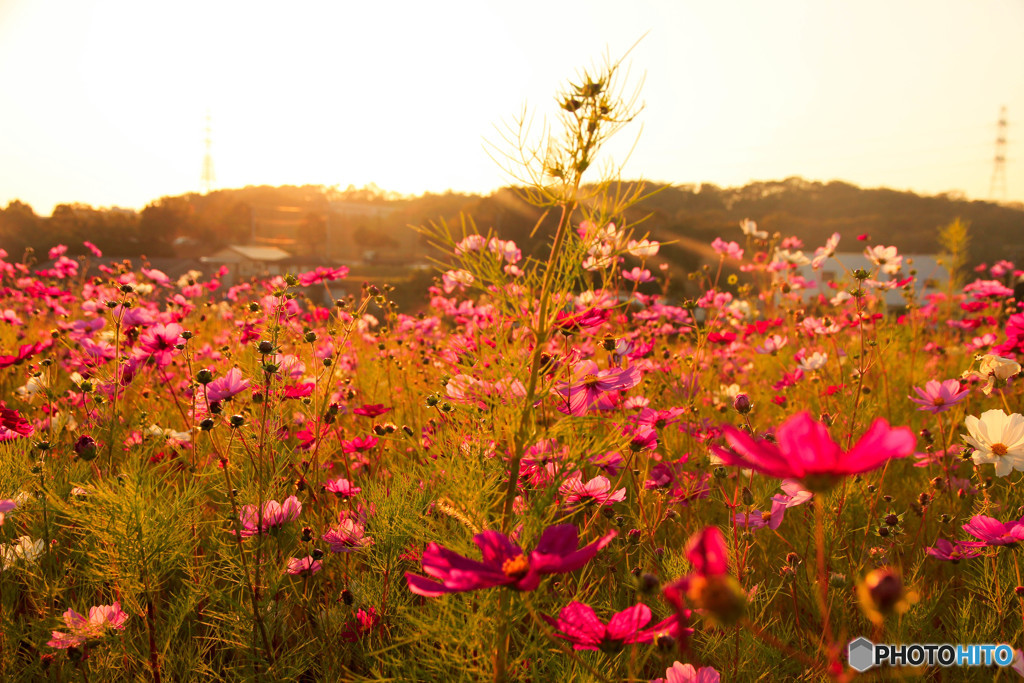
(85, 447)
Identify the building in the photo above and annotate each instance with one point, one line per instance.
(245, 262)
(930, 276)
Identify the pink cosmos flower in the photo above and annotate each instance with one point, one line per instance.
(578, 624)
(504, 563)
(101, 618)
(992, 532)
(953, 552)
(590, 318)
(638, 274)
(938, 397)
(6, 505)
(579, 494)
(342, 488)
(589, 385)
(686, 673)
(227, 386)
(313, 277)
(730, 249)
(794, 493)
(759, 520)
(772, 344)
(805, 451)
(275, 515)
(347, 536)
(304, 566)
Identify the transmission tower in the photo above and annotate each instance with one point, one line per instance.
(208, 177)
(999, 166)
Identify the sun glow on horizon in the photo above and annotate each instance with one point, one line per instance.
(112, 96)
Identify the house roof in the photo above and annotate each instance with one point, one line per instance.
(253, 253)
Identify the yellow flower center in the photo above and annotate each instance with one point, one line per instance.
(590, 380)
(999, 449)
(766, 516)
(516, 567)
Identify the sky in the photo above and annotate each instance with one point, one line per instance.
(106, 101)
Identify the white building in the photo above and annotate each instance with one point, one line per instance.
(930, 276)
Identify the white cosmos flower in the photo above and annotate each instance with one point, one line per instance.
(815, 361)
(997, 438)
(643, 248)
(886, 257)
(24, 548)
(749, 229)
(993, 367)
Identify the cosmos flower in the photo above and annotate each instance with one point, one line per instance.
(371, 410)
(22, 549)
(938, 397)
(643, 248)
(81, 629)
(992, 367)
(349, 535)
(304, 566)
(12, 424)
(992, 532)
(578, 624)
(589, 385)
(709, 586)
(504, 563)
(952, 552)
(805, 451)
(342, 488)
(159, 341)
(749, 229)
(998, 439)
(887, 258)
(686, 673)
(578, 494)
(759, 520)
(275, 515)
(227, 386)
(6, 505)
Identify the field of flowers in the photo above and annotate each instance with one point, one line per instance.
(545, 475)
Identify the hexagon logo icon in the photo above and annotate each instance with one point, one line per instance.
(860, 654)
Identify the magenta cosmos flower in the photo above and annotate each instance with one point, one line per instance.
(805, 451)
(993, 532)
(938, 397)
(952, 552)
(159, 341)
(504, 563)
(709, 586)
(578, 624)
(590, 385)
(275, 515)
